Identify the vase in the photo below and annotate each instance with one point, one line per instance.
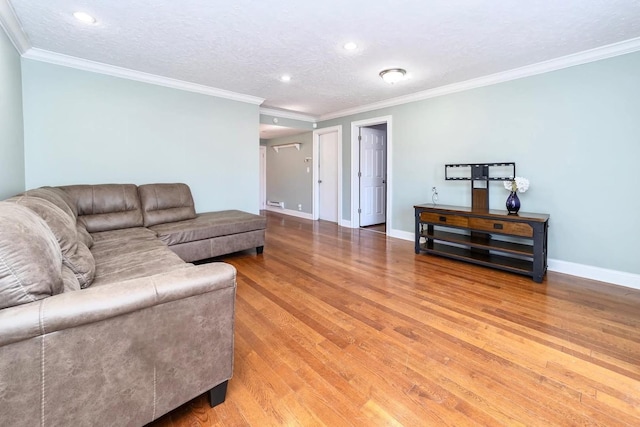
(513, 203)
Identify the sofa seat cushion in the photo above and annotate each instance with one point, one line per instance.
(30, 258)
(125, 234)
(132, 258)
(209, 225)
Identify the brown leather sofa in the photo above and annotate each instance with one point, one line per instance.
(102, 322)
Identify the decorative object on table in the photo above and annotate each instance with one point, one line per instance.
(434, 195)
(480, 175)
(517, 184)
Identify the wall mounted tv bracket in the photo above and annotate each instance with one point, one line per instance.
(480, 174)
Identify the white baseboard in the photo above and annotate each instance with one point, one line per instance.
(401, 234)
(345, 223)
(289, 212)
(622, 278)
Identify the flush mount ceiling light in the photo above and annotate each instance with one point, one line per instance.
(285, 78)
(350, 46)
(393, 75)
(84, 17)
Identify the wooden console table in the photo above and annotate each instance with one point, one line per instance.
(473, 236)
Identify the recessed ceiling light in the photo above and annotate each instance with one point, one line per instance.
(84, 17)
(285, 78)
(393, 75)
(350, 46)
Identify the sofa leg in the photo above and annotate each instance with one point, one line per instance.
(218, 394)
(259, 250)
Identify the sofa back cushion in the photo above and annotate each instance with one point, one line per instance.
(83, 234)
(70, 281)
(106, 206)
(162, 203)
(62, 200)
(75, 254)
(30, 258)
(57, 197)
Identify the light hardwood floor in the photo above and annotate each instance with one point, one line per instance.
(343, 327)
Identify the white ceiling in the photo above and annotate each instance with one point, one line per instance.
(244, 46)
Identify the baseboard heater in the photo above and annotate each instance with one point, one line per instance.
(276, 204)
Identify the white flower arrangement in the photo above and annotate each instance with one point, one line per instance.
(518, 184)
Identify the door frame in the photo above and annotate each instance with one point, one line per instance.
(315, 210)
(263, 178)
(355, 166)
(370, 208)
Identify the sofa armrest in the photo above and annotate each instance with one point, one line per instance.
(77, 308)
(124, 353)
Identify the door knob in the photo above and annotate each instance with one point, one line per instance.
(319, 181)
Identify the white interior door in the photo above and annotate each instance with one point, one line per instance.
(263, 177)
(373, 170)
(328, 176)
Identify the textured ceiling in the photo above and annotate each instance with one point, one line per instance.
(244, 46)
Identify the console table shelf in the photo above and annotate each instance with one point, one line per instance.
(473, 236)
(481, 243)
(515, 265)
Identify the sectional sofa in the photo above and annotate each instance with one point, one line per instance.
(104, 320)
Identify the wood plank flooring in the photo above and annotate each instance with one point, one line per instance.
(342, 327)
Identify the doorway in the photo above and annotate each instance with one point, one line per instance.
(373, 175)
(327, 174)
(370, 171)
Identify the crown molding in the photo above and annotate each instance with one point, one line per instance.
(592, 55)
(125, 73)
(285, 114)
(9, 22)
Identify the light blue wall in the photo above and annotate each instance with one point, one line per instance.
(83, 127)
(11, 126)
(574, 133)
(287, 177)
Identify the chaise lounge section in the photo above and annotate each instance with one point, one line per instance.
(169, 211)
